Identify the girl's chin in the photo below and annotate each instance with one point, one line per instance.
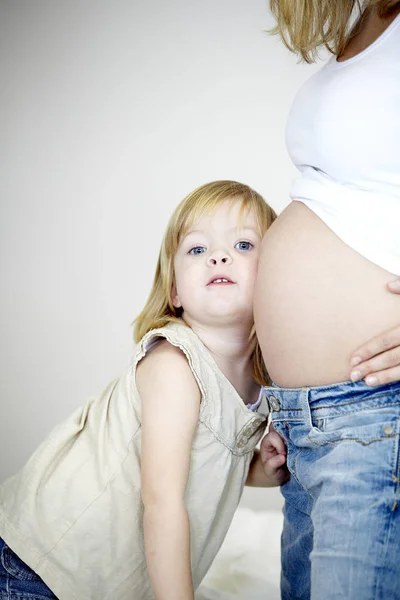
(218, 318)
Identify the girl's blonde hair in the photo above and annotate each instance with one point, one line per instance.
(305, 25)
(159, 309)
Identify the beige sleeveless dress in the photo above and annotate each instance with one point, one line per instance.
(74, 512)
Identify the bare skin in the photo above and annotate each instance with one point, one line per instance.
(317, 300)
(370, 29)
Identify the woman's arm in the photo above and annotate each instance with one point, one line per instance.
(378, 361)
(170, 411)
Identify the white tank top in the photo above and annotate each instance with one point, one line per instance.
(343, 134)
(74, 512)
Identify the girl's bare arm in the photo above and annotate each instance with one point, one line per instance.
(170, 410)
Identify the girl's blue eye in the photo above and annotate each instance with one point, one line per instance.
(197, 250)
(244, 246)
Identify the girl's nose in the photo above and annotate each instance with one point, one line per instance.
(219, 257)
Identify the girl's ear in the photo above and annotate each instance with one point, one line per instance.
(174, 297)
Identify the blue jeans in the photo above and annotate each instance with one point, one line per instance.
(18, 581)
(341, 535)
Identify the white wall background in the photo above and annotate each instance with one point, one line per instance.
(111, 112)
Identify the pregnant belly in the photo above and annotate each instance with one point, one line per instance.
(316, 301)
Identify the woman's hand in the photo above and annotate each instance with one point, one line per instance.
(378, 361)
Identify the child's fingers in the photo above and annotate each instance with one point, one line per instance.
(276, 461)
(276, 470)
(273, 441)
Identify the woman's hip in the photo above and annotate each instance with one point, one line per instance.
(342, 437)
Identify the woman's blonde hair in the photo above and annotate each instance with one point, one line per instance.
(159, 309)
(305, 25)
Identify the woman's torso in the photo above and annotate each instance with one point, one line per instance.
(318, 298)
(74, 513)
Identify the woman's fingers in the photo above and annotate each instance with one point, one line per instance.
(378, 361)
(382, 377)
(394, 286)
(377, 345)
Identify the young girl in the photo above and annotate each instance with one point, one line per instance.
(131, 497)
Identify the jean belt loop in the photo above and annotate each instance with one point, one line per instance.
(305, 405)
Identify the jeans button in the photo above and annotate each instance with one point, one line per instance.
(274, 403)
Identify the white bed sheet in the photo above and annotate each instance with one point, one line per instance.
(247, 566)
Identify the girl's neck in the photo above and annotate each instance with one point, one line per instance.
(232, 351)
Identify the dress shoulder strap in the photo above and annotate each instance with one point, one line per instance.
(182, 336)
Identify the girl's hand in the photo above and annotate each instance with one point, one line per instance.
(273, 458)
(378, 361)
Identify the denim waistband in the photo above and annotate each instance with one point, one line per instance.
(325, 396)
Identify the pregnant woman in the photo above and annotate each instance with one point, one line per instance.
(322, 291)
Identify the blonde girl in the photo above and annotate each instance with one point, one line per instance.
(131, 496)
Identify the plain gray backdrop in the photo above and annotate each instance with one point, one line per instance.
(111, 112)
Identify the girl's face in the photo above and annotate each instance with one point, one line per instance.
(215, 267)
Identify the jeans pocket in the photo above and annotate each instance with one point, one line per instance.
(16, 567)
(364, 427)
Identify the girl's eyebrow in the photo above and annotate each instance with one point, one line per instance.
(233, 229)
(194, 231)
